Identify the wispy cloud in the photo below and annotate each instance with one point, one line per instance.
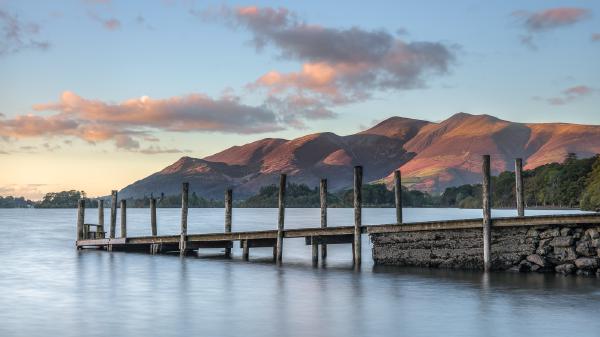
(339, 65)
(595, 37)
(131, 121)
(569, 95)
(29, 191)
(110, 24)
(549, 19)
(16, 35)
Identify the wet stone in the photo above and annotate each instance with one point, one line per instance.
(567, 268)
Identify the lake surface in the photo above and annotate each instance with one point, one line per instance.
(48, 288)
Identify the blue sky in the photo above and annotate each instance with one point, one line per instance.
(503, 61)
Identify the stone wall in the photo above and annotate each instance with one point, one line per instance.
(562, 249)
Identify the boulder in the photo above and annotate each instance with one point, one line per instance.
(535, 267)
(549, 233)
(524, 266)
(566, 231)
(536, 259)
(595, 243)
(585, 248)
(565, 269)
(583, 272)
(592, 233)
(562, 241)
(586, 263)
(561, 255)
(533, 233)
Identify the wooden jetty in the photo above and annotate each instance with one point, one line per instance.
(94, 236)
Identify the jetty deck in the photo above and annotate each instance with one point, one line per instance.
(94, 236)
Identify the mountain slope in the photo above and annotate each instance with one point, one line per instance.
(431, 156)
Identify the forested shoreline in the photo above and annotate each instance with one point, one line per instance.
(574, 183)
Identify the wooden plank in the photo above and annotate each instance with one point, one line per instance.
(228, 216)
(329, 239)
(113, 214)
(357, 215)
(487, 213)
(519, 190)
(209, 244)
(398, 195)
(281, 216)
(184, 214)
(258, 243)
(323, 199)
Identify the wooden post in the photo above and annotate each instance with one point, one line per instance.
(153, 226)
(245, 251)
(280, 222)
(519, 191)
(228, 216)
(184, 213)
(357, 214)
(323, 195)
(123, 218)
(100, 229)
(398, 195)
(80, 219)
(113, 214)
(487, 213)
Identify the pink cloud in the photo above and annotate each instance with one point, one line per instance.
(595, 37)
(570, 94)
(552, 18)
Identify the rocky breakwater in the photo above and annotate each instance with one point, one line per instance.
(567, 249)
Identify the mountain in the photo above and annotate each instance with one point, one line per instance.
(432, 156)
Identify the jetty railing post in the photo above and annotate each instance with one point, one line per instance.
(113, 214)
(487, 213)
(323, 197)
(100, 229)
(123, 218)
(398, 195)
(228, 216)
(153, 226)
(184, 213)
(519, 191)
(245, 250)
(80, 219)
(280, 222)
(357, 214)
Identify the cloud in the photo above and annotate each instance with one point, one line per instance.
(570, 94)
(111, 24)
(16, 35)
(157, 150)
(339, 65)
(128, 122)
(595, 37)
(548, 19)
(29, 191)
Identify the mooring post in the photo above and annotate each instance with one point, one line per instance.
(113, 214)
(123, 218)
(184, 213)
(280, 222)
(245, 250)
(487, 214)
(323, 195)
(519, 191)
(100, 228)
(80, 219)
(357, 214)
(228, 216)
(398, 195)
(153, 226)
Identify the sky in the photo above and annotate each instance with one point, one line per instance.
(96, 94)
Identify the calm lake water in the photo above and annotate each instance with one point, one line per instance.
(48, 288)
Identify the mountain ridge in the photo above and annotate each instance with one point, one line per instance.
(432, 156)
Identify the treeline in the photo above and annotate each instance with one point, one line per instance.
(574, 183)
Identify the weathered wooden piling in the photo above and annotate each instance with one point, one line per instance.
(487, 213)
(323, 197)
(519, 190)
(113, 214)
(398, 195)
(123, 218)
(357, 215)
(100, 228)
(281, 216)
(153, 225)
(228, 216)
(80, 219)
(245, 250)
(184, 214)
